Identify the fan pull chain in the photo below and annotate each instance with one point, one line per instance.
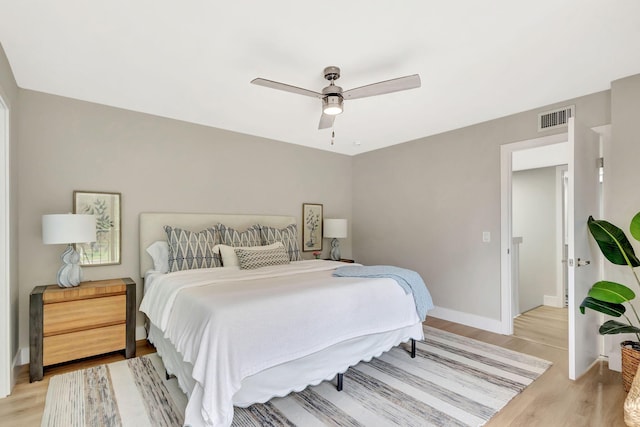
(333, 135)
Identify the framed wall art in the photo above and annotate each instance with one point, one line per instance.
(106, 207)
(311, 227)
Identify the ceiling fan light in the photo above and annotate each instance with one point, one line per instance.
(332, 105)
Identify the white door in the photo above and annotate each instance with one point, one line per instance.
(583, 200)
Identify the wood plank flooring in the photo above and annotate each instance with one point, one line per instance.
(25, 405)
(595, 400)
(544, 325)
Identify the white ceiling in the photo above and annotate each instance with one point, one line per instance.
(193, 59)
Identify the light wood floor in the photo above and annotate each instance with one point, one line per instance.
(25, 405)
(594, 400)
(544, 325)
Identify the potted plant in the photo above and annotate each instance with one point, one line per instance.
(609, 297)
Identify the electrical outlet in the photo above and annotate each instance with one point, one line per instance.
(486, 236)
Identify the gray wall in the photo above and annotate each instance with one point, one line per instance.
(9, 92)
(534, 219)
(621, 178)
(158, 165)
(622, 164)
(424, 205)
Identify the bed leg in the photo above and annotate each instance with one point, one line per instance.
(413, 348)
(340, 379)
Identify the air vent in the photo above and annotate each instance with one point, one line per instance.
(555, 118)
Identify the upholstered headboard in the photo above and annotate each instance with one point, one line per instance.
(152, 226)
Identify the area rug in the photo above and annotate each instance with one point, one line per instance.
(453, 381)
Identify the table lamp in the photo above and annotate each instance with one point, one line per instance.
(68, 229)
(335, 229)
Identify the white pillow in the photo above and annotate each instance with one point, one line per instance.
(228, 253)
(159, 252)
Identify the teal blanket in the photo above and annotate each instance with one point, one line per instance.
(409, 280)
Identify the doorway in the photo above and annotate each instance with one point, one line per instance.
(582, 200)
(539, 206)
(533, 154)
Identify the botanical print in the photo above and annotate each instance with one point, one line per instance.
(106, 208)
(311, 227)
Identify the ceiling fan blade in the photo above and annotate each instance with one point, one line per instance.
(326, 121)
(285, 87)
(387, 86)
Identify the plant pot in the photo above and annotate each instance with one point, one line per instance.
(630, 360)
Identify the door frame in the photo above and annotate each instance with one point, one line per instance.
(561, 224)
(506, 222)
(6, 380)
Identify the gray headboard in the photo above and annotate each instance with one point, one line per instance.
(152, 226)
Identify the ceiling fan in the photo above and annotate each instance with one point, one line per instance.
(333, 97)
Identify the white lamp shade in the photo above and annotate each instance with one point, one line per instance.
(335, 228)
(68, 228)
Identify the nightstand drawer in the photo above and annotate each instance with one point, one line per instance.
(76, 345)
(83, 314)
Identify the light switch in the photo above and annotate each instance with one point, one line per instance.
(486, 236)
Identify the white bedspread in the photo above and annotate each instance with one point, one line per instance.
(231, 323)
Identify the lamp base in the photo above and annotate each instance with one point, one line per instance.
(335, 249)
(70, 274)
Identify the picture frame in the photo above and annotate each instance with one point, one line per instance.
(107, 248)
(311, 227)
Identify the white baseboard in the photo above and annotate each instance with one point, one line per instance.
(615, 359)
(15, 370)
(141, 333)
(480, 322)
(552, 301)
(22, 358)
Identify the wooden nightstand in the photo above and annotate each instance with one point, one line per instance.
(72, 323)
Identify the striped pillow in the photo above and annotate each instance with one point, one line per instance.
(249, 259)
(190, 250)
(288, 236)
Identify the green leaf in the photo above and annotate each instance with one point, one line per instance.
(635, 227)
(615, 310)
(611, 292)
(613, 243)
(611, 327)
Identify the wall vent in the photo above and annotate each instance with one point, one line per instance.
(555, 118)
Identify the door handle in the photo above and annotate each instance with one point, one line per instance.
(582, 262)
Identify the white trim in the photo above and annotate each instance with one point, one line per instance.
(141, 333)
(6, 378)
(552, 301)
(480, 322)
(22, 358)
(560, 238)
(15, 365)
(506, 228)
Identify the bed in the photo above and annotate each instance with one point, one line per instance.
(237, 336)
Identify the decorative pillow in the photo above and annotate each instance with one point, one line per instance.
(288, 236)
(159, 252)
(228, 253)
(250, 259)
(190, 250)
(232, 237)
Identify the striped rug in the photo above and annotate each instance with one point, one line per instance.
(453, 381)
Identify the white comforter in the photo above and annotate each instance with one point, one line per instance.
(231, 323)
